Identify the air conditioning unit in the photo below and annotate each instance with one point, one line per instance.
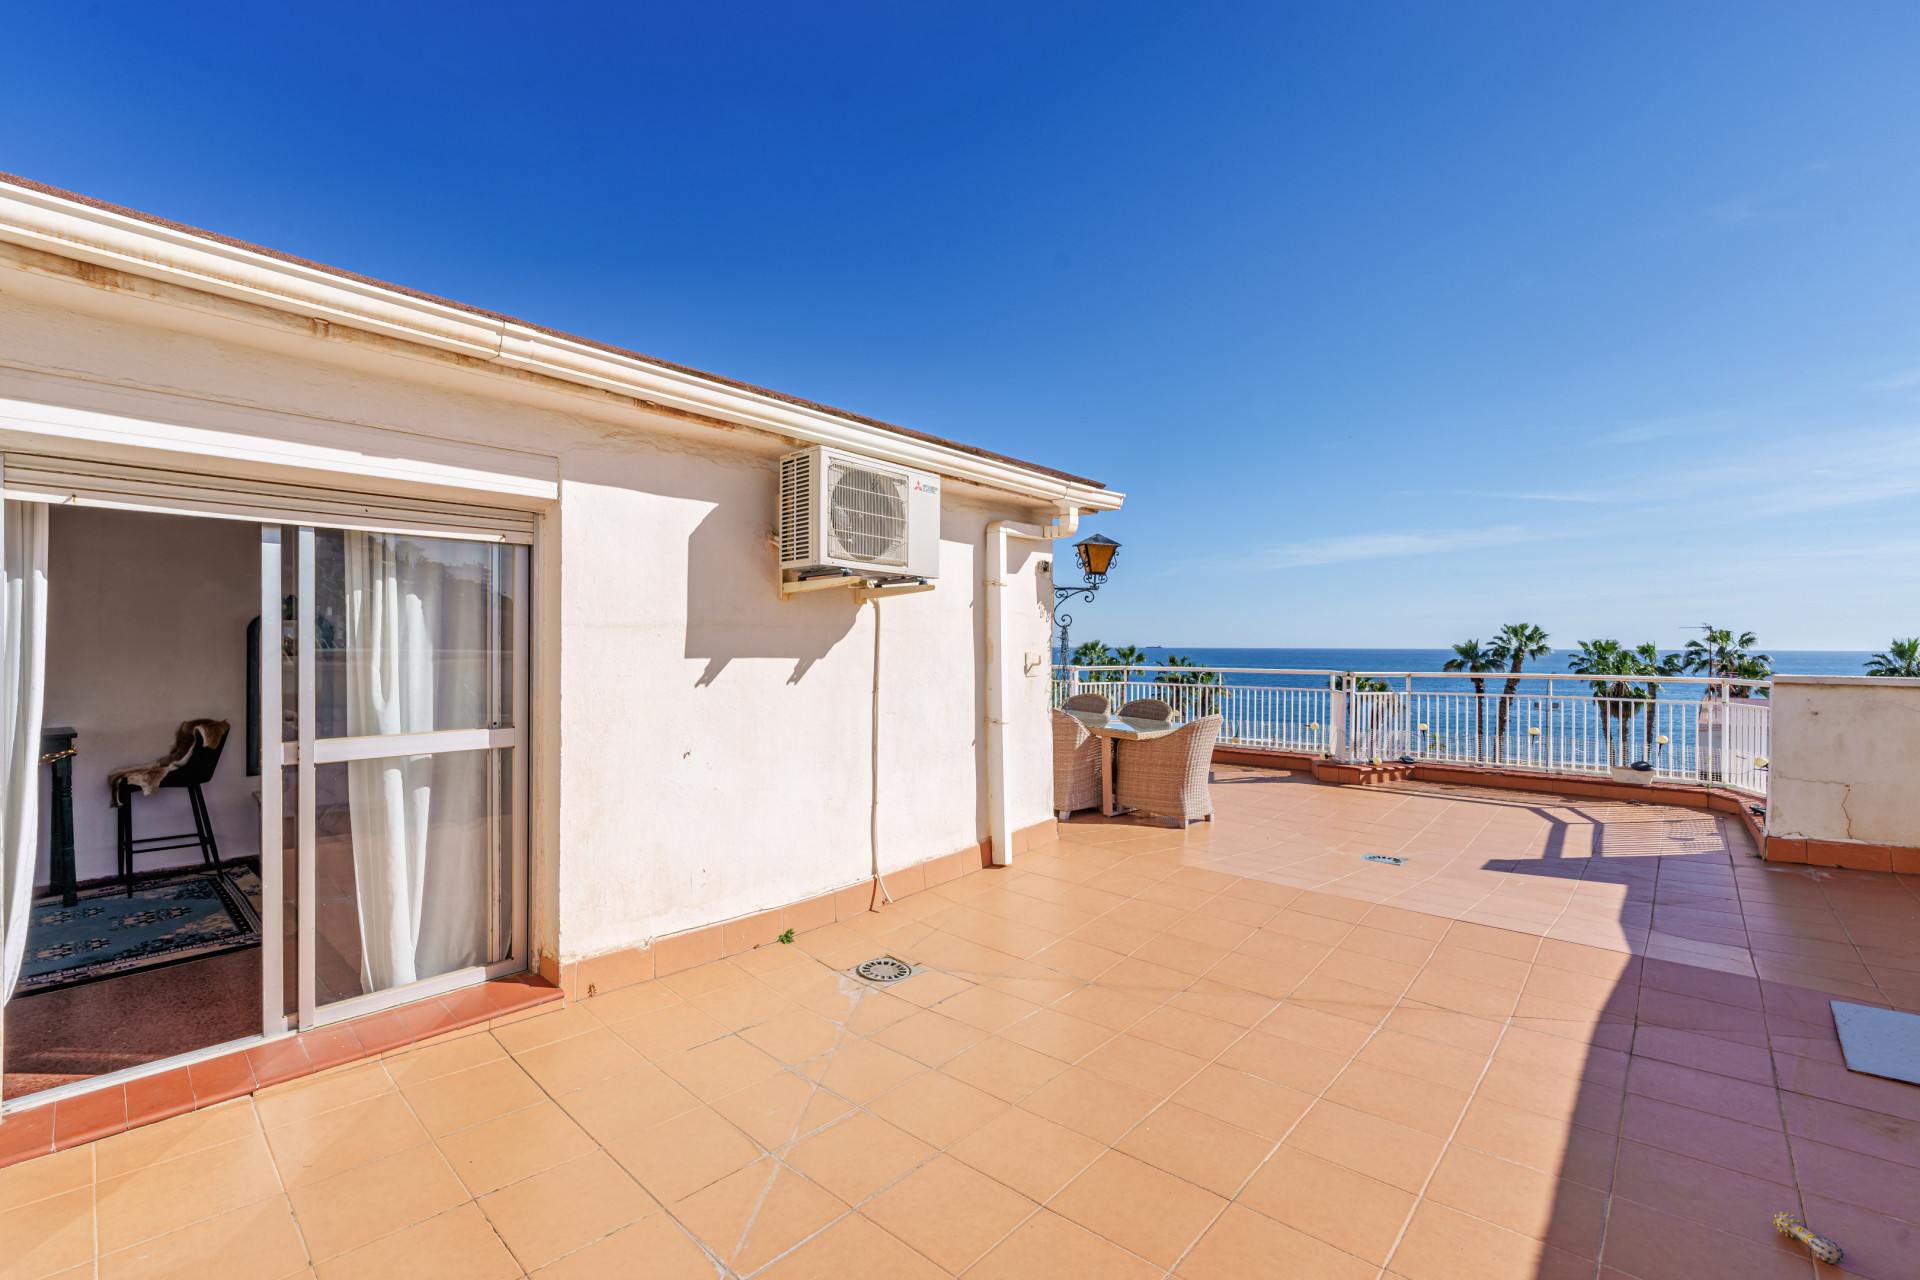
(845, 519)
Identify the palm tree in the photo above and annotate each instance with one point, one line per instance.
(1651, 662)
(1469, 656)
(1515, 645)
(1607, 661)
(1902, 658)
(1180, 670)
(1719, 652)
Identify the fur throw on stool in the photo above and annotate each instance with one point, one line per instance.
(147, 776)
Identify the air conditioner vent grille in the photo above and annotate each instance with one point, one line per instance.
(796, 509)
(867, 514)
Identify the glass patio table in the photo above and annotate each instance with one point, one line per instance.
(1108, 727)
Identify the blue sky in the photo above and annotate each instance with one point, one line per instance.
(1394, 321)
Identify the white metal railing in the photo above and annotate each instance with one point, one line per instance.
(1551, 723)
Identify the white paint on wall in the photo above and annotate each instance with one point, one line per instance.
(1846, 759)
(703, 746)
(146, 627)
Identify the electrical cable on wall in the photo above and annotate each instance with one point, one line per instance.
(873, 808)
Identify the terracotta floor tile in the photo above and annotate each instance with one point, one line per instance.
(1058, 1035)
(167, 1196)
(795, 1036)
(1050, 1246)
(1029, 1153)
(1744, 1148)
(50, 1175)
(1520, 1199)
(625, 1104)
(873, 1009)
(929, 1037)
(411, 1066)
(347, 1210)
(1188, 1032)
(304, 1099)
(750, 1217)
(1243, 1243)
(578, 1061)
(459, 1242)
(1408, 1100)
(679, 1156)
(630, 1002)
(1246, 1102)
(1441, 1244)
(333, 1141)
(744, 1004)
(781, 1109)
(1144, 1210)
(48, 1235)
(1090, 1105)
(859, 1156)
(518, 1145)
(719, 1067)
(1316, 1030)
(1351, 1212)
(1527, 1137)
(936, 1108)
(949, 1212)
(1144, 1064)
(1284, 1062)
(445, 1103)
(1108, 1007)
(150, 1144)
(1644, 1242)
(551, 1214)
(853, 1249)
(655, 1247)
(1387, 1152)
(1206, 1151)
(862, 1070)
(665, 1032)
(259, 1242)
(1004, 1069)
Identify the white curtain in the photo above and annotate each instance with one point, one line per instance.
(415, 615)
(23, 678)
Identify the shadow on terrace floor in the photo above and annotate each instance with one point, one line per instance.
(1670, 1018)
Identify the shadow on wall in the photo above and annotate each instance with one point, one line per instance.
(734, 609)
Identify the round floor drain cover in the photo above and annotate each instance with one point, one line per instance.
(883, 969)
(1386, 858)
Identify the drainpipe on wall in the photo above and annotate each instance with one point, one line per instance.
(1000, 671)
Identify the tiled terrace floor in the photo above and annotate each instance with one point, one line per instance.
(1565, 1039)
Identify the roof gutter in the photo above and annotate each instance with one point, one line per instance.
(71, 229)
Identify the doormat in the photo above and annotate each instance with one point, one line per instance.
(188, 916)
(1879, 1042)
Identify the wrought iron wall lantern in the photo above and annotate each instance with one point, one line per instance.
(1095, 553)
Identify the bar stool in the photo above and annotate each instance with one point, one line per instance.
(193, 773)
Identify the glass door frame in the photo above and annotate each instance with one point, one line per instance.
(306, 753)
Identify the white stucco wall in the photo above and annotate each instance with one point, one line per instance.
(1846, 760)
(702, 746)
(146, 627)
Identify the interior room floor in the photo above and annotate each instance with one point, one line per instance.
(58, 1037)
(1565, 1039)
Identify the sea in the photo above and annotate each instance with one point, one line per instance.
(1812, 662)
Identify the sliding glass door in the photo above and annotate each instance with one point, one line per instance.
(396, 858)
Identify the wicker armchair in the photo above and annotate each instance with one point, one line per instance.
(1076, 766)
(1147, 709)
(1086, 702)
(1167, 777)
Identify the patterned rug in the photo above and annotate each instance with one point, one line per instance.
(182, 917)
